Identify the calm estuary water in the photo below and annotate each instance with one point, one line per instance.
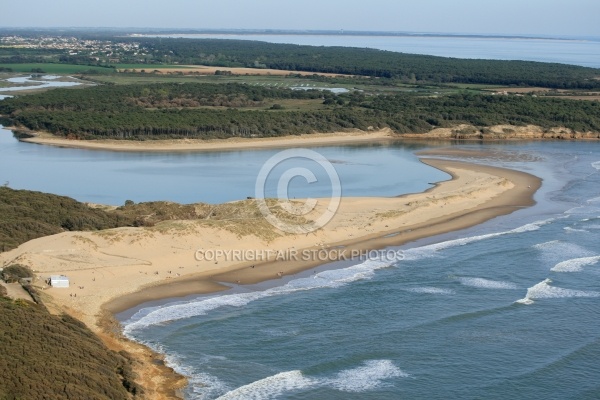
(212, 177)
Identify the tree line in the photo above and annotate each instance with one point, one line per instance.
(184, 111)
(370, 62)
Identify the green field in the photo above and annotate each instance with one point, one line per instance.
(56, 68)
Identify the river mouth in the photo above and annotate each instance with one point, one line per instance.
(456, 300)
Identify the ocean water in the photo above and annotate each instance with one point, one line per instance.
(584, 51)
(507, 309)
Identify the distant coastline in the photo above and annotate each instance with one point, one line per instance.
(575, 50)
(349, 33)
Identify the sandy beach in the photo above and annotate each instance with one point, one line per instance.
(113, 270)
(194, 145)
(436, 136)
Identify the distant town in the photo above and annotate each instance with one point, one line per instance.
(77, 49)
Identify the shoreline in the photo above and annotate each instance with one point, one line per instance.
(497, 133)
(118, 258)
(199, 145)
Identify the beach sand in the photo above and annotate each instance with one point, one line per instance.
(113, 270)
(194, 145)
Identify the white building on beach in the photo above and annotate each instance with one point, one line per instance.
(59, 281)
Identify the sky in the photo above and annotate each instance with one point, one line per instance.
(542, 17)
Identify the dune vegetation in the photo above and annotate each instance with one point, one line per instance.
(57, 357)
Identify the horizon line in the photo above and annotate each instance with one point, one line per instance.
(305, 32)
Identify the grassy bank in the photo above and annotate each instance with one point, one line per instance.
(59, 69)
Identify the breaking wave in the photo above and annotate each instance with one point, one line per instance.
(556, 251)
(575, 264)
(431, 250)
(326, 279)
(544, 290)
(368, 376)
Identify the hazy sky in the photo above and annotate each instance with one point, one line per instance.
(553, 17)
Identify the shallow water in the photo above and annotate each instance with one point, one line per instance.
(507, 309)
(45, 81)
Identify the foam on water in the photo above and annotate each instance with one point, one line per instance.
(280, 332)
(585, 210)
(431, 250)
(204, 385)
(555, 251)
(590, 219)
(486, 283)
(575, 264)
(549, 244)
(271, 387)
(544, 290)
(367, 377)
(568, 229)
(325, 279)
(596, 165)
(430, 290)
